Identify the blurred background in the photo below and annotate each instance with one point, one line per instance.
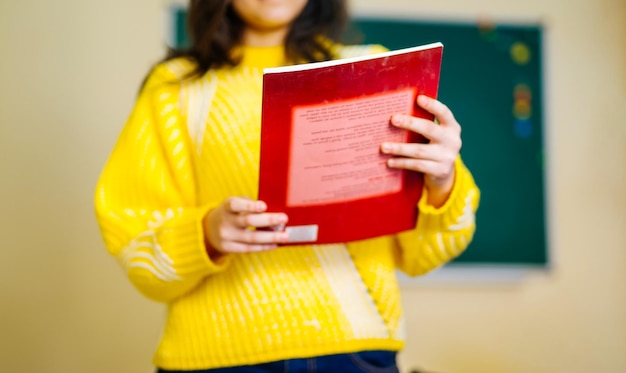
(69, 73)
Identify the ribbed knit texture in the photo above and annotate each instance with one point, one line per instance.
(187, 146)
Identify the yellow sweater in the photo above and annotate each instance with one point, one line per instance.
(185, 148)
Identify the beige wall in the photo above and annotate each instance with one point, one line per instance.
(68, 73)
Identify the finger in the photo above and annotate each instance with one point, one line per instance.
(238, 247)
(430, 151)
(260, 237)
(261, 220)
(240, 204)
(424, 127)
(438, 109)
(425, 166)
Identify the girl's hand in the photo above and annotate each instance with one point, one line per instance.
(434, 159)
(231, 227)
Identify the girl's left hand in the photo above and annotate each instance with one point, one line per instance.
(434, 159)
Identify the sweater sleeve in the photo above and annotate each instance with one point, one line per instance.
(146, 202)
(442, 233)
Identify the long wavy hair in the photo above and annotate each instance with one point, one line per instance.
(214, 29)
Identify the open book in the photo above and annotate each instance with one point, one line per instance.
(322, 127)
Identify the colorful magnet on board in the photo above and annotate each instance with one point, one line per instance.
(520, 53)
(487, 28)
(523, 128)
(522, 110)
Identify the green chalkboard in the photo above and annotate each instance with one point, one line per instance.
(492, 80)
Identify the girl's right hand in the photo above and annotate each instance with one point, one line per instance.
(231, 227)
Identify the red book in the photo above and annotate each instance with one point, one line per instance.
(322, 127)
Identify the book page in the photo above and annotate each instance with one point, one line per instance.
(335, 149)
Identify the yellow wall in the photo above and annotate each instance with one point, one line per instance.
(69, 70)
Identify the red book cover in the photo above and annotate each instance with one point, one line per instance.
(322, 127)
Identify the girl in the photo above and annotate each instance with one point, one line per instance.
(176, 203)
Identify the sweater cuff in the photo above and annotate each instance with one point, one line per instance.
(443, 217)
(186, 235)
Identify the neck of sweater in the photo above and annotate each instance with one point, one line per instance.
(263, 57)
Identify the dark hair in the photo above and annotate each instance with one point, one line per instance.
(214, 29)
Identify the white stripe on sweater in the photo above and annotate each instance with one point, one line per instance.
(351, 293)
(145, 252)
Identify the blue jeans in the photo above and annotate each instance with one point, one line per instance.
(359, 362)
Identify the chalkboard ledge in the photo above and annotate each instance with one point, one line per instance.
(473, 275)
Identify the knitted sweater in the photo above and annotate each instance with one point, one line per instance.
(187, 146)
